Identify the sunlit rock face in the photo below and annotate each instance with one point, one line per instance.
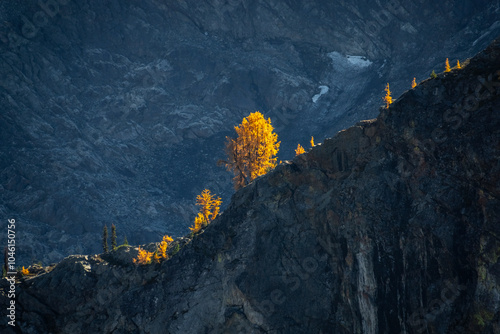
(390, 226)
(117, 111)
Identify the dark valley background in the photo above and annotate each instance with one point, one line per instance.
(117, 111)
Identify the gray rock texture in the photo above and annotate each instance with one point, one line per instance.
(391, 226)
(116, 111)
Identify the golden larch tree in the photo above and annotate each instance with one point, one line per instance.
(199, 221)
(210, 207)
(161, 251)
(458, 64)
(413, 83)
(387, 97)
(253, 152)
(447, 66)
(299, 150)
(312, 141)
(143, 257)
(25, 272)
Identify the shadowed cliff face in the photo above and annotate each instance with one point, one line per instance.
(116, 112)
(391, 226)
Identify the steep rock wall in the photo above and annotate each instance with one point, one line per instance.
(116, 111)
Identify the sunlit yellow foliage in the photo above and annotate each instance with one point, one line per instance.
(413, 83)
(144, 257)
(458, 64)
(25, 271)
(299, 150)
(156, 256)
(199, 221)
(387, 97)
(312, 141)
(161, 251)
(254, 151)
(447, 66)
(210, 206)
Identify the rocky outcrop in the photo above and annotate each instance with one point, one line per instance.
(105, 104)
(391, 226)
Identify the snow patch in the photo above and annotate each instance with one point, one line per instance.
(324, 90)
(348, 63)
(359, 61)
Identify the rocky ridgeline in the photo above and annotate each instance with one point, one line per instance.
(391, 226)
(116, 111)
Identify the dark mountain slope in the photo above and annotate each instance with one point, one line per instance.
(391, 226)
(116, 111)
